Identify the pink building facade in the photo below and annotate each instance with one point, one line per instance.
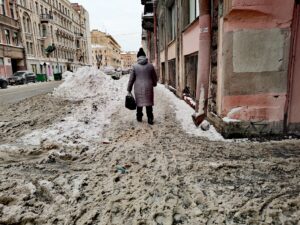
(248, 82)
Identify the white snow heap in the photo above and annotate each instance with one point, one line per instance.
(67, 74)
(86, 82)
(101, 96)
(228, 118)
(184, 115)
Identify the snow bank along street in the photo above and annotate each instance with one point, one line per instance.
(77, 156)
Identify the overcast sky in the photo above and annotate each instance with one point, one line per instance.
(120, 18)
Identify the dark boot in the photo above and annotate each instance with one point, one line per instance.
(139, 114)
(149, 111)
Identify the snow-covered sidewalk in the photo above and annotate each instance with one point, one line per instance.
(102, 96)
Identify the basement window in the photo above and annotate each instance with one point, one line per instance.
(191, 65)
(172, 73)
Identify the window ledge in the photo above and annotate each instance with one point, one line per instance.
(190, 24)
(171, 42)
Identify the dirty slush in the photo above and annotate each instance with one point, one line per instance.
(79, 157)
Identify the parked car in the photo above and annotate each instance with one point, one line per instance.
(125, 71)
(109, 70)
(22, 77)
(3, 83)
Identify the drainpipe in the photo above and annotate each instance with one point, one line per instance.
(203, 62)
(155, 34)
(295, 27)
(149, 45)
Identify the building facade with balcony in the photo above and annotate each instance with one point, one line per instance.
(55, 35)
(105, 50)
(12, 56)
(128, 59)
(239, 61)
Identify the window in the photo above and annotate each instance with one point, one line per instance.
(172, 73)
(24, 24)
(16, 39)
(44, 31)
(35, 28)
(28, 25)
(7, 36)
(42, 10)
(194, 10)
(31, 48)
(172, 22)
(162, 36)
(2, 3)
(11, 7)
(1, 61)
(33, 68)
(37, 7)
(27, 48)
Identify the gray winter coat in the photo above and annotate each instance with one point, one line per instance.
(143, 77)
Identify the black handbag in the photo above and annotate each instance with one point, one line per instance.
(130, 102)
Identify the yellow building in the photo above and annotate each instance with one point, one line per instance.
(128, 59)
(105, 50)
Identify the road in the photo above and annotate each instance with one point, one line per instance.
(14, 94)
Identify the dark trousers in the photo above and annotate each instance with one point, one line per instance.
(149, 111)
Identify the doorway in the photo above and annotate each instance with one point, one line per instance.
(14, 65)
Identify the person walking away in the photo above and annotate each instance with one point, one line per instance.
(143, 77)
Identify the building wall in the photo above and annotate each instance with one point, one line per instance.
(128, 59)
(11, 48)
(250, 62)
(111, 50)
(54, 23)
(254, 59)
(191, 38)
(178, 36)
(99, 56)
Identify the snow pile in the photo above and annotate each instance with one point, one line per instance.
(67, 74)
(101, 96)
(96, 98)
(184, 115)
(85, 83)
(231, 114)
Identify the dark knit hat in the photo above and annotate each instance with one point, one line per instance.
(141, 52)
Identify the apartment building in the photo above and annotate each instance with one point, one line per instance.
(55, 34)
(238, 61)
(12, 56)
(105, 50)
(128, 59)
